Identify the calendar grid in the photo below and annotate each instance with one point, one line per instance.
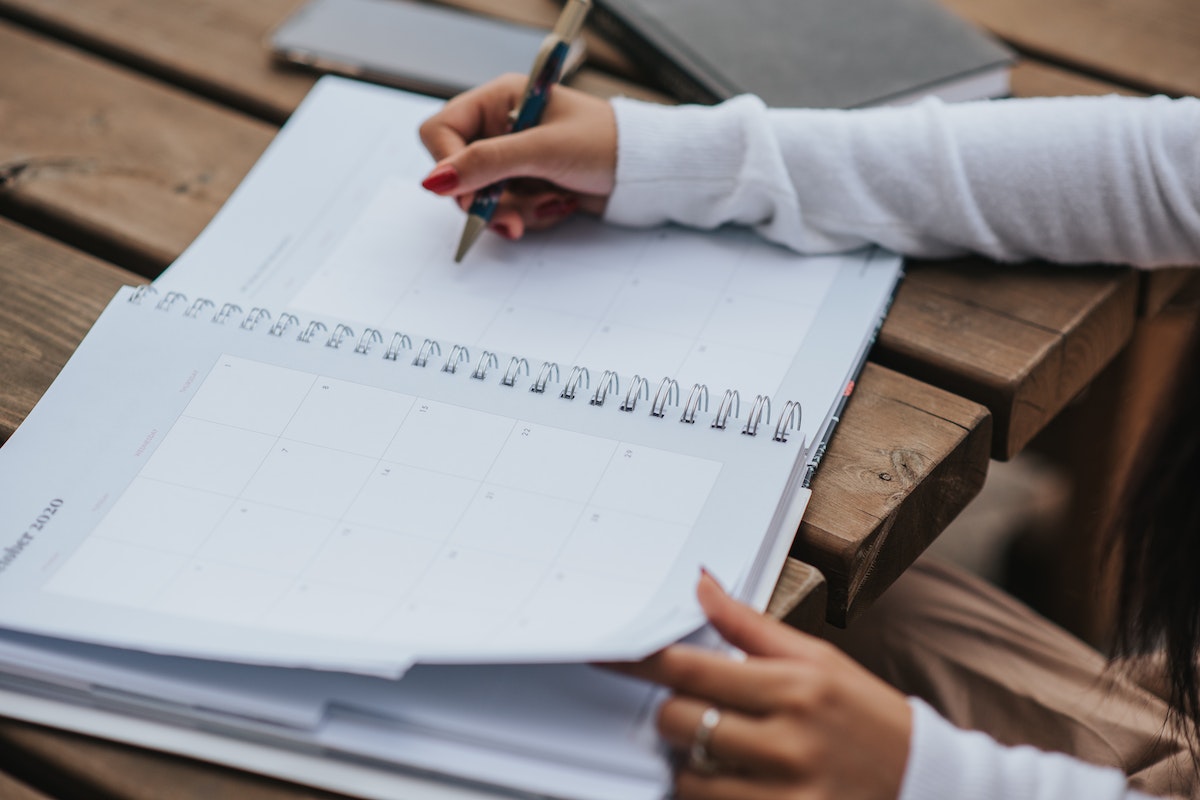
(347, 509)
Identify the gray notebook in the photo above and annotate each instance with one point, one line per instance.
(807, 53)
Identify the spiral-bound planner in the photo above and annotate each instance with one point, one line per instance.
(317, 492)
(315, 441)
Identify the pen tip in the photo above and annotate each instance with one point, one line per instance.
(475, 226)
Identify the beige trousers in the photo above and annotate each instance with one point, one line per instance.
(987, 662)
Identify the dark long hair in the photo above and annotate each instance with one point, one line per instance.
(1157, 532)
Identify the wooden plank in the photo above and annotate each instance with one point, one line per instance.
(1162, 286)
(1148, 45)
(45, 317)
(111, 160)
(1022, 340)
(801, 597)
(216, 47)
(64, 764)
(1033, 78)
(602, 84)
(899, 467)
(13, 789)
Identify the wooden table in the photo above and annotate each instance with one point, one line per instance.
(127, 123)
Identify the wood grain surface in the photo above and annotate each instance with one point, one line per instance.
(901, 450)
(1021, 340)
(111, 160)
(49, 296)
(1147, 45)
(69, 765)
(13, 789)
(801, 597)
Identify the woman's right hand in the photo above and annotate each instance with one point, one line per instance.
(566, 162)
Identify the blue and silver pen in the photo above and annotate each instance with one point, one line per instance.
(818, 452)
(547, 71)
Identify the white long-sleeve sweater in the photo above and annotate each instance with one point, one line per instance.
(1082, 179)
(947, 763)
(1074, 180)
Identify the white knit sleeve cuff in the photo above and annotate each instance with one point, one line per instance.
(674, 163)
(947, 762)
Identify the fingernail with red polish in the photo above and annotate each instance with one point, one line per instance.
(555, 207)
(503, 230)
(442, 179)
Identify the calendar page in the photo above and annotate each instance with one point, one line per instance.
(227, 492)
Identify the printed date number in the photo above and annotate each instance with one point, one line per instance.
(43, 518)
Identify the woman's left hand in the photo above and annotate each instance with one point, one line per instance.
(797, 718)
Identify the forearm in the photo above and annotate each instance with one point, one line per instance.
(945, 762)
(1075, 179)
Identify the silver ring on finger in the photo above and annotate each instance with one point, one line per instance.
(699, 758)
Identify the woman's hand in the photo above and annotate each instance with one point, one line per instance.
(798, 718)
(566, 162)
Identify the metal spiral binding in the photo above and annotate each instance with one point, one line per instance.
(140, 293)
(227, 311)
(732, 401)
(577, 374)
(309, 332)
(369, 337)
(635, 389)
(790, 409)
(698, 394)
(428, 347)
(169, 300)
(668, 392)
(756, 415)
(608, 380)
(195, 308)
(255, 316)
(398, 340)
(666, 389)
(486, 359)
(284, 322)
(514, 366)
(340, 332)
(549, 368)
(458, 353)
